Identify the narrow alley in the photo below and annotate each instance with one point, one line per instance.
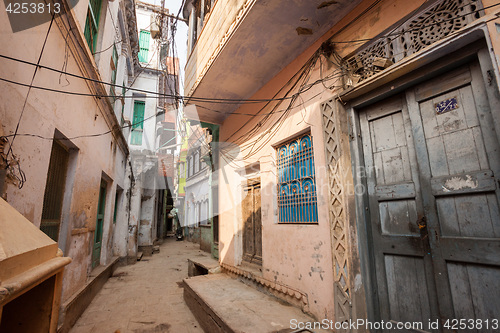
(145, 297)
(250, 166)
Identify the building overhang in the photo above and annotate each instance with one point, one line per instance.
(263, 38)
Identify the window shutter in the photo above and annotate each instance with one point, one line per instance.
(92, 23)
(144, 37)
(137, 123)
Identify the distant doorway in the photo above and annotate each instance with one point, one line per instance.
(252, 222)
(96, 250)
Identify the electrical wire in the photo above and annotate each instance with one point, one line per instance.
(21, 177)
(210, 100)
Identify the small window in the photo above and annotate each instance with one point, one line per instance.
(144, 37)
(122, 120)
(297, 202)
(92, 24)
(202, 164)
(197, 161)
(117, 202)
(181, 170)
(190, 172)
(137, 123)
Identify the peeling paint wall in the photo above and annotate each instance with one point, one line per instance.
(296, 255)
(73, 116)
(300, 255)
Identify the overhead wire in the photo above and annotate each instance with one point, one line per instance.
(31, 86)
(341, 66)
(21, 177)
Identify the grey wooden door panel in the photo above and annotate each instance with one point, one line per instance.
(458, 179)
(471, 250)
(432, 161)
(390, 153)
(469, 215)
(398, 217)
(469, 295)
(446, 82)
(408, 291)
(453, 136)
(395, 191)
(470, 182)
(408, 246)
(403, 269)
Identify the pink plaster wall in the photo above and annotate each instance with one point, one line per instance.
(72, 116)
(298, 255)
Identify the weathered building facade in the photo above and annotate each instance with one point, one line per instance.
(152, 137)
(65, 102)
(361, 179)
(197, 167)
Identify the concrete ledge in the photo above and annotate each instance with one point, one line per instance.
(222, 304)
(146, 249)
(206, 317)
(72, 309)
(202, 265)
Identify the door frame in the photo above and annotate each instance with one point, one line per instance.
(447, 54)
(252, 183)
(101, 204)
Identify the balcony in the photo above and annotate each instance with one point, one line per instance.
(239, 45)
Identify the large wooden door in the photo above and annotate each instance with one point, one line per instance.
(252, 222)
(402, 261)
(432, 161)
(96, 250)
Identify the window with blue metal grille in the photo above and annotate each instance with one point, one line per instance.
(297, 202)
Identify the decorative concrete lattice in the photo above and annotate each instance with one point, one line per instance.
(337, 213)
(428, 26)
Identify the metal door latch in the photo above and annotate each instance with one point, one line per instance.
(422, 222)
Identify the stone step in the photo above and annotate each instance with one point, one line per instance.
(222, 304)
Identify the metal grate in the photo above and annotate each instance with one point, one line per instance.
(297, 202)
(54, 191)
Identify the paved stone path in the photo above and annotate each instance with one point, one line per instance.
(145, 297)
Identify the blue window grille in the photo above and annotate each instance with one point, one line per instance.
(297, 201)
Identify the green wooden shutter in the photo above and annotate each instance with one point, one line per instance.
(137, 123)
(92, 24)
(96, 250)
(144, 45)
(114, 67)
